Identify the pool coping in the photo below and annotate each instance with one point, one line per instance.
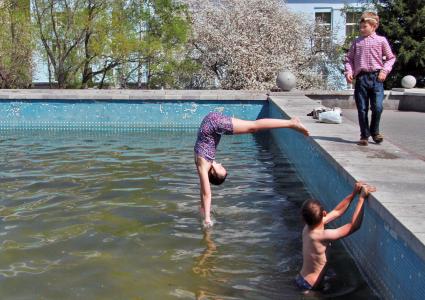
(392, 170)
(405, 100)
(117, 95)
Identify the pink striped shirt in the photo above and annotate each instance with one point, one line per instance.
(369, 54)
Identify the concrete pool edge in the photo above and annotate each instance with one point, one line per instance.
(405, 100)
(398, 176)
(117, 95)
(402, 100)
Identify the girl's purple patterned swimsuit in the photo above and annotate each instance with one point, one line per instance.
(212, 127)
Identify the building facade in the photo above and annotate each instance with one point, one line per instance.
(341, 19)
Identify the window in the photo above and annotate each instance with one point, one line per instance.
(324, 19)
(352, 23)
(323, 30)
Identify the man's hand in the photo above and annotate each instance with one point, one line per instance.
(382, 76)
(349, 78)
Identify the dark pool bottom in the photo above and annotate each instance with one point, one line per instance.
(115, 216)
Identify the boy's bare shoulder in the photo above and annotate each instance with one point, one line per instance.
(314, 234)
(322, 235)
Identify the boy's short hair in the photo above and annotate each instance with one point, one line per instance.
(370, 17)
(312, 212)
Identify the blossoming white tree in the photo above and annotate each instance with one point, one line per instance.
(243, 44)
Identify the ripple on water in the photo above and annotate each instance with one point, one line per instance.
(29, 267)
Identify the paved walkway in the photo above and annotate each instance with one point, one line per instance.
(404, 129)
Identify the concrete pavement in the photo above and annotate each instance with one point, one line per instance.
(404, 129)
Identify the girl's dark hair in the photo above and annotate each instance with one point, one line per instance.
(312, 212)
(214, 178)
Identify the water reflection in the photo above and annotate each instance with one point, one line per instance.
(205, 264)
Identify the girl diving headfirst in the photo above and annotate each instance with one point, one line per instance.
(213, 126)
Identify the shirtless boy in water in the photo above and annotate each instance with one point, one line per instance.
(316, 237)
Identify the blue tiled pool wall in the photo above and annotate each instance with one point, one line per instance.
(393, 269)
(119, 115)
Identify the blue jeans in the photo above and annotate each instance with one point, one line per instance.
(368, 88)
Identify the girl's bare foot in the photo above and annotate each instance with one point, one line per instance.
(298, 126)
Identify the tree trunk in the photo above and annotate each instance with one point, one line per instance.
(61, 77)
(49, 69)
(103, 79)
(87, 70)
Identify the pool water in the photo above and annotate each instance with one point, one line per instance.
(115, 216)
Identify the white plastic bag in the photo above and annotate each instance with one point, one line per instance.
(338, 109)
(317, 111)
(332, 116)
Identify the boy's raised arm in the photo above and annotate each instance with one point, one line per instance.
(356, 220)
(342, 207)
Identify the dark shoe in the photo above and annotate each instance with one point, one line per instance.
(378, 138)
(363, 142)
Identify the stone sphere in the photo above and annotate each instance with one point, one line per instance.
(286, 81)
(408, 82)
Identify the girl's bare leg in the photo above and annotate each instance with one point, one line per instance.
(243, 126)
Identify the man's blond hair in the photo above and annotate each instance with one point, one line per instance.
(370, 17)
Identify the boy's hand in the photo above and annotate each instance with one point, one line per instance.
(382, 76)
(349, 78)
(358, 187)
(367, 189)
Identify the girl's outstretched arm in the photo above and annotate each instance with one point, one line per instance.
(205, 188)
